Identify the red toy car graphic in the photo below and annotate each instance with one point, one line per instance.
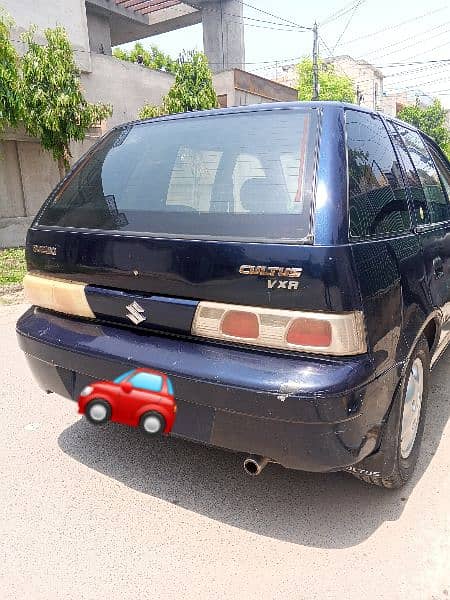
(140, 397)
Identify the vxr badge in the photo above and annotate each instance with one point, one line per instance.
(136, 313)
(293, 274)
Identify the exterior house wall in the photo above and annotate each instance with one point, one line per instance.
(125, 85)
(50, 13)
(239, 88)
(391, 104)
(366, 78)
(224, 85)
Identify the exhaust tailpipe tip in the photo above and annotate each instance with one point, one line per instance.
(253, 465)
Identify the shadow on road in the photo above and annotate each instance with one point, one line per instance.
(321, 510)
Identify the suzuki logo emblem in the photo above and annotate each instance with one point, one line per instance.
(135, 313)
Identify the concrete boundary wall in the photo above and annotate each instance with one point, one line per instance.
(28, 174)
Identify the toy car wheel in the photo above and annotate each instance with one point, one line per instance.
(98, 411)
(152, 423)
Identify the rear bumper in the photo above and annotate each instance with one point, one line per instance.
(314, 414)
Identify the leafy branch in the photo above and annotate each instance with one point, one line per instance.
(192, 89)
(53, 106)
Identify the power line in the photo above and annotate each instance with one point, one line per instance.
(357, 5)
(265, 12)
(431, 81)
(424, 69)
(441, 72)
(417, 62)
(241, 18)
(393, 27)
(402, 41)
(338, 14)
(430, 49)
(414, 43)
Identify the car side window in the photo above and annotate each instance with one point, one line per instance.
(377, 198)
(443, 169)
(438, 206)
(147, 381)
(412, 181)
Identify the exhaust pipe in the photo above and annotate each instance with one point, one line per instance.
(253, 465)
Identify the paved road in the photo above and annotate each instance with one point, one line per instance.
(91, 513)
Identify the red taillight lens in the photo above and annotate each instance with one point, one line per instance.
(241, 324)
(309, 332)
(334, 334)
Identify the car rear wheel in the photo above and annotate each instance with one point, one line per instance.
(152, 423)
(98, 411)
(396, 459)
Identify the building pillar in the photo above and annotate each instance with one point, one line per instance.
(99, 31)
(223, 34)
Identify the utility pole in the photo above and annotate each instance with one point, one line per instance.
(315, 95)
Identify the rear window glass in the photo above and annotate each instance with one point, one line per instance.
(236, 176)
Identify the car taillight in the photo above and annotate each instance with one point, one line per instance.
(241, 324)
(57, 294)
(337, 334)
(309, 332)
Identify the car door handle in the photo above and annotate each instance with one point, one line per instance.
(438, 267)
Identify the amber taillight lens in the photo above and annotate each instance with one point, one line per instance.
(57, 294)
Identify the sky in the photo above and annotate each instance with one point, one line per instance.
(383, 32)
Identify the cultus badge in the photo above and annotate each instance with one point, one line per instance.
(290, 273)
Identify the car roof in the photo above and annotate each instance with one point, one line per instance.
(264, 106)
(325, 105)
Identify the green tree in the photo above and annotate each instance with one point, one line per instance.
(54, 108)
(332, 86)
(9, 75)
(152, 57)
(192, 89)
(431, 120)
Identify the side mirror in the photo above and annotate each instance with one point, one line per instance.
(126, 386)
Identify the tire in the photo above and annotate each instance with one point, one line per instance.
(104, 407)
(399, 449)
(150, 420)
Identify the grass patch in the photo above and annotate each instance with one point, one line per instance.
(12, 266)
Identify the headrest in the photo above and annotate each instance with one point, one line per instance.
(259, 196)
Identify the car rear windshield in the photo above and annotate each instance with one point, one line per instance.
(241, 176)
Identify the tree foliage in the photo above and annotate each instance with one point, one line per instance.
(153, 58)
(192, 89)
(9, 76)
(54, 108)
(431, 120)
(332, 86)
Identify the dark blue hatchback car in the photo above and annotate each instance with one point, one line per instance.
(287, 265)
